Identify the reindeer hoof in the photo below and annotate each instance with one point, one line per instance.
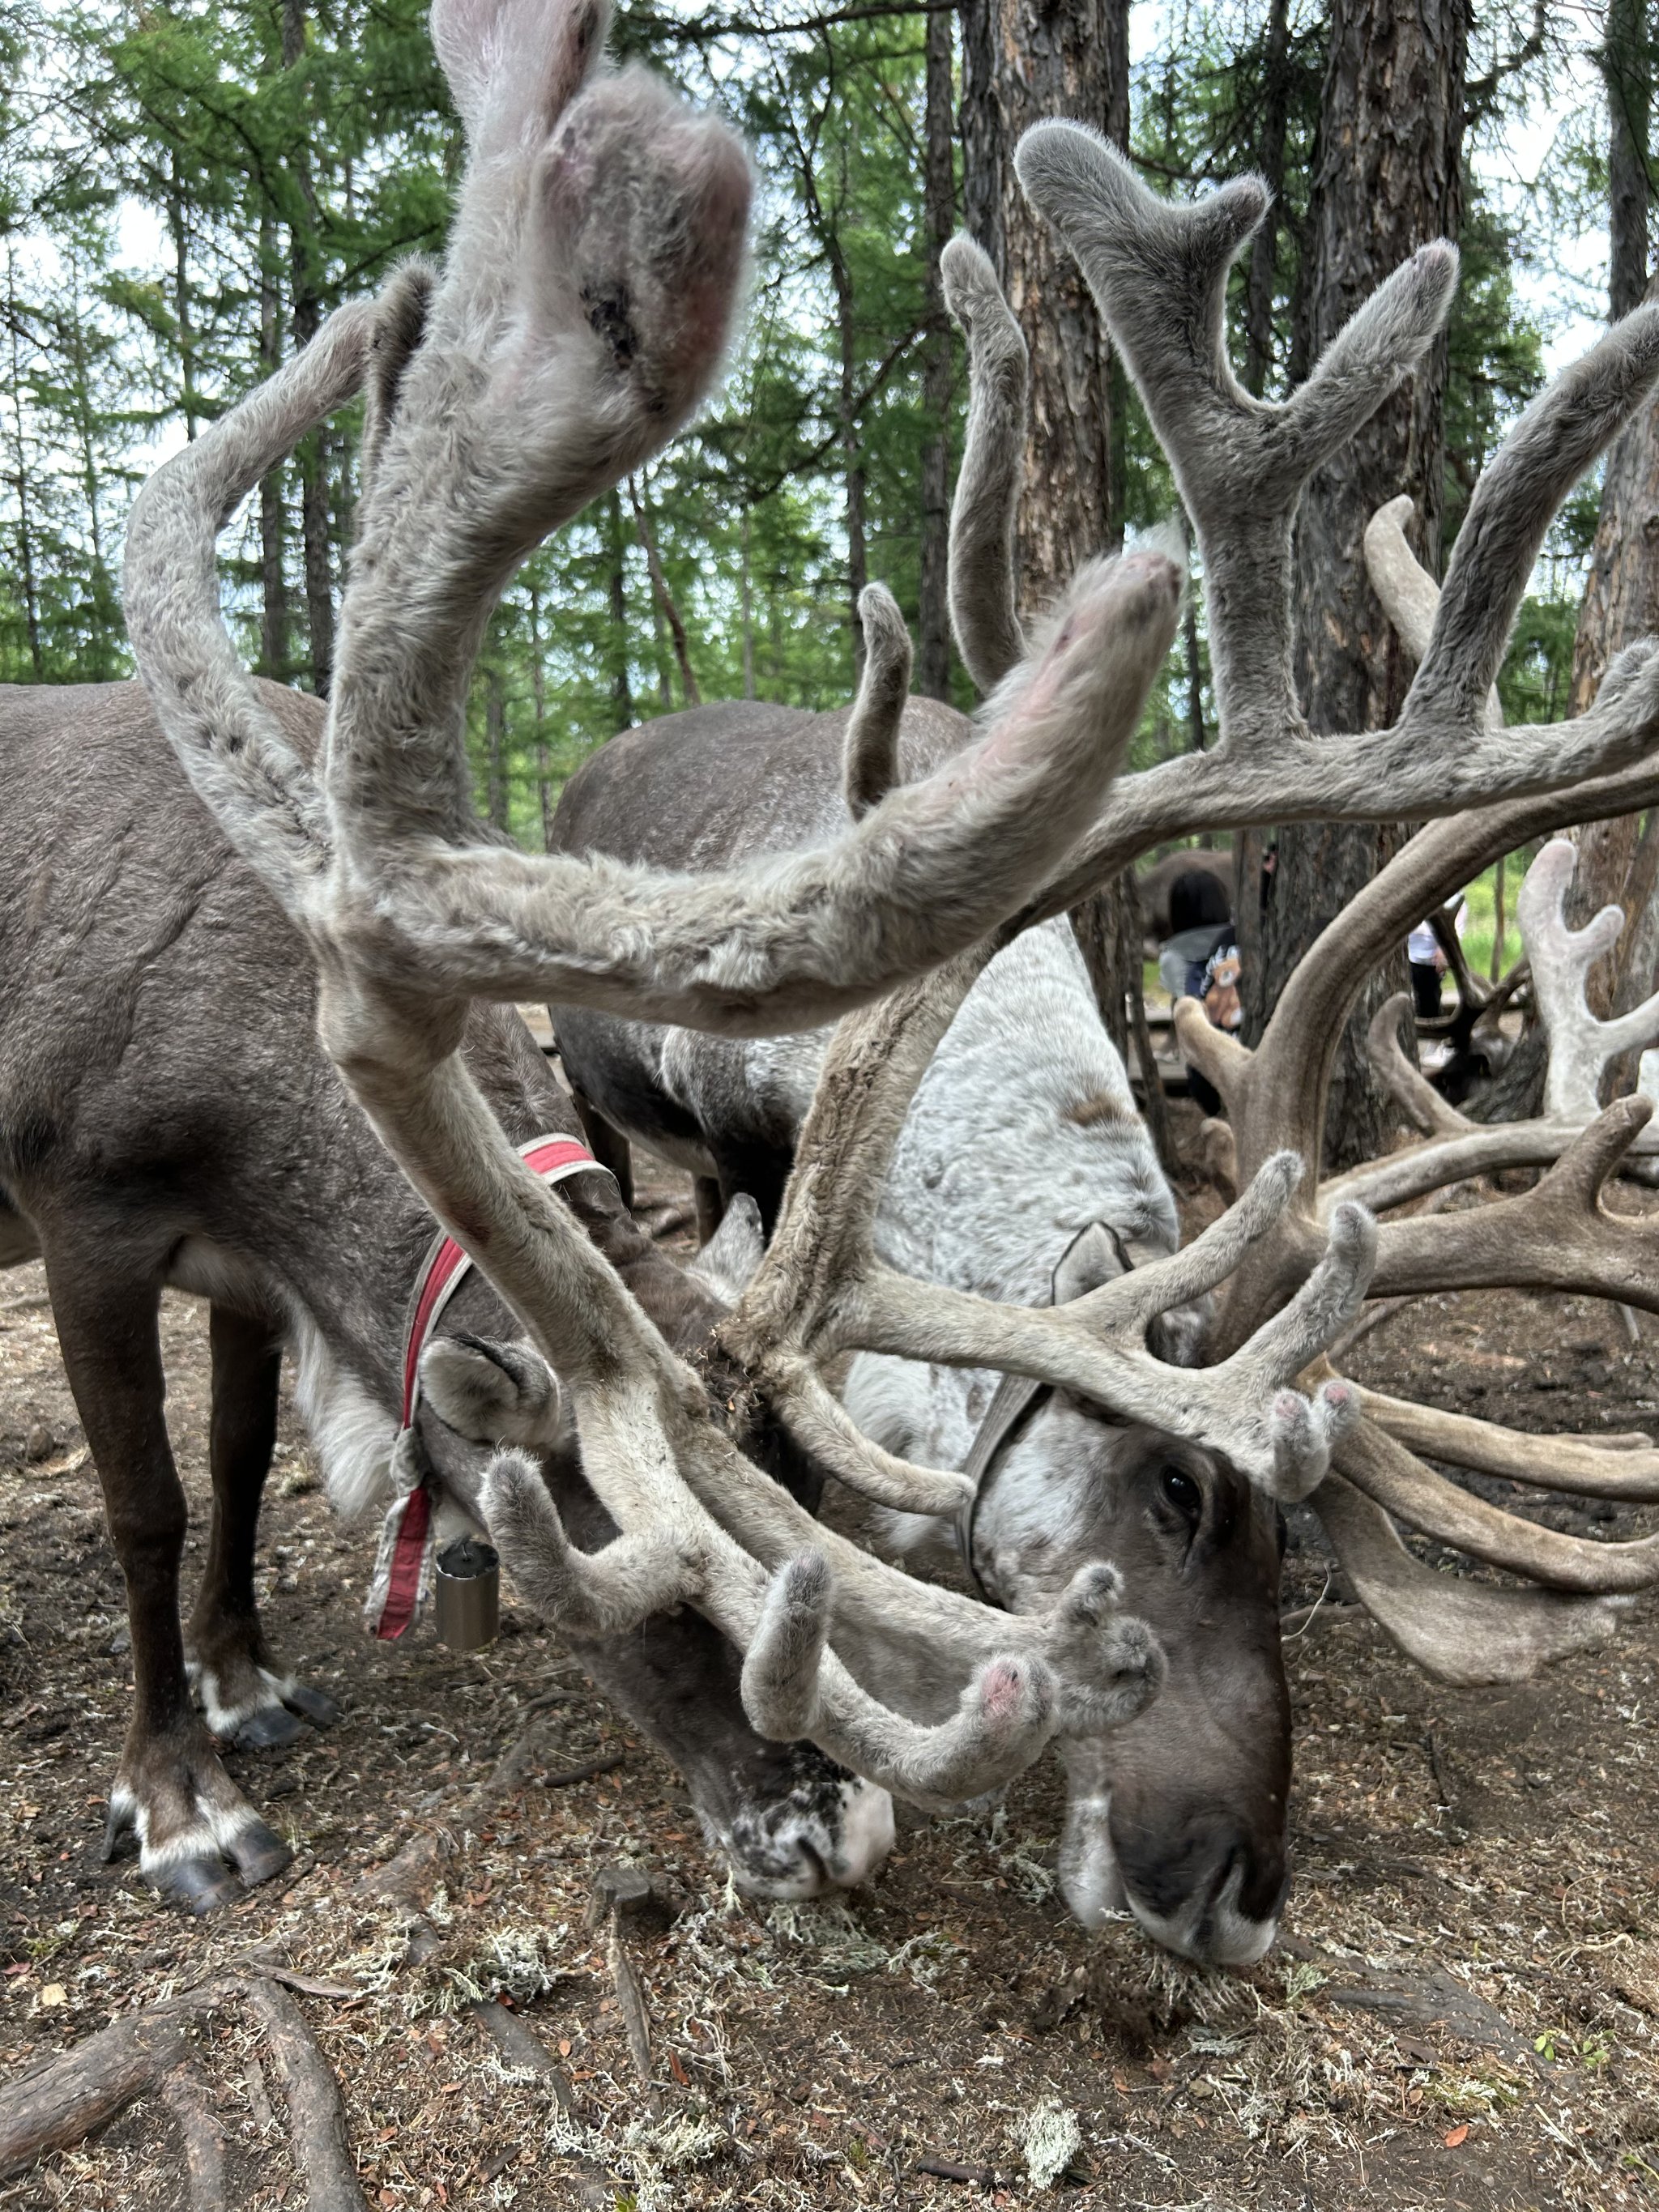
(259, 1853)
(266, 1729)
(203, 1885)
(314, 1705)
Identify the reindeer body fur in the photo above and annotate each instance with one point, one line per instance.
(169, 1117)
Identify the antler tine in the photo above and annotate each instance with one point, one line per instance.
(984, 609)
(1556, 440)
(1557, 1236)
(1585, 1466)
(602, 246)
(1240, 463)
(870, 755)
(1096, 1345)
(1399, 1482)
(229, 743)
(1159, 273)
(1466, 1633)
(1580, 1045)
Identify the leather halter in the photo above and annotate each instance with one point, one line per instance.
(442, 1271)
(1017, 1399)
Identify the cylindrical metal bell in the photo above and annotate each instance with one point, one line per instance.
(467, 1612)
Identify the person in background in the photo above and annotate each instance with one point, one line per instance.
(1428, 964)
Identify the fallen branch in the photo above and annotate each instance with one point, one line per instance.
(71, 2096)
(316, 2115)
(630, 1997)
(520, 2045)
(947, 2169)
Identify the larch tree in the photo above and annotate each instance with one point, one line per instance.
(1024, 62)
(1620, 860)
(1387, 179)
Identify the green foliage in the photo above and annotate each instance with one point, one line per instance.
(186, 188)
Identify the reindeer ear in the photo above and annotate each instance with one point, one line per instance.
(734, 1251)
(1094, 1256)
(490, 1392)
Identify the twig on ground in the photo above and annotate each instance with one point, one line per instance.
(630, 1997)
(947, 2169)
(316, 2115)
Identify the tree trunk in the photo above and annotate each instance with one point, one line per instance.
(189, 399)
(538, 708)
(1387, 179)
(665, 597)
(1621, 596)
(27, 576)
(622, 694)
(1022, 61)
(1264, 248)
(273, 575)
(314, 529)
(1627, 67)
(495, 744)
(852, 444)
(933, 620)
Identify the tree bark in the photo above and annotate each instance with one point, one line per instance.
(933, 620)
(1264, 247)
(1627, 67)
(1621, 596)
(1022, 61)
(1387, 179)
(273, 576)
(665, 597)
(622, 694)
(313, 453)
(495, 744)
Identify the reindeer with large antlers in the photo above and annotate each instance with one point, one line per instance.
(1181, 1815)
(580, 315)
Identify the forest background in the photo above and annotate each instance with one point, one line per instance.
(186, 191)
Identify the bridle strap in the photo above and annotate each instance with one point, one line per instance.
(1015, 1399)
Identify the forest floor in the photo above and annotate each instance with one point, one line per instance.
(1463, 2010)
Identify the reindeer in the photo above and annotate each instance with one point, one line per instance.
(579, 317)
(1023, 1173)
(166, 1116)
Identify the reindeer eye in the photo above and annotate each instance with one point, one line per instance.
(1181, 1492)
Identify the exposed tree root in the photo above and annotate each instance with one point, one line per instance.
(187, 2095)
(520, 2045)
(316, 2114)
(68, 2098)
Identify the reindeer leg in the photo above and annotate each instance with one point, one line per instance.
(189, 1818)
(760, 1170)
(246, 1695)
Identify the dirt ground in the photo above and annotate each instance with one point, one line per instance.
(1463, 2011)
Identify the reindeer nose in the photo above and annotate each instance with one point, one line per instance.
(798, 1850)
(1215, 1896)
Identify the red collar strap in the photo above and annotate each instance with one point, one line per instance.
(444, 1270)
(395, 1589)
